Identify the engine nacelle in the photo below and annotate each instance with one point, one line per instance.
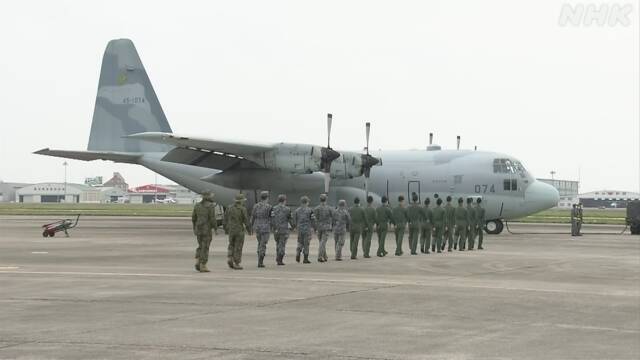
(291, 158)
(347, 166)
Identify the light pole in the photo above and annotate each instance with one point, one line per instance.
(552, 173)
(65, 180)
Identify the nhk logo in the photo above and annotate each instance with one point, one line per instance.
(595, 15)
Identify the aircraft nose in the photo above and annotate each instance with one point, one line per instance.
(542, 195)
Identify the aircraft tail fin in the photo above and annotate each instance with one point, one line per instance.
(126, 103)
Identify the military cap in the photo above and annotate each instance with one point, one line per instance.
(427, 201)
(400, 198)
(323, 197)
(282, 198)
(240, 197)
(439, 202)
(384, 199)
(264, 194)
(469, 200)
(369, 199)
(342, 203)
(356, 200)
(414, 197)
(479, 200)
(460, 200)
(304, 200)
(448, 198)
(207, 196)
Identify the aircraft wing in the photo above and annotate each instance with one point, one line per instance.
(131, 158)
(214, 154)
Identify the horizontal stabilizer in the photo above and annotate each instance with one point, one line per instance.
(131, 158)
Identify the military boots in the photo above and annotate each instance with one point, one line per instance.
(306, 260)
(261, 261)
(203, 268)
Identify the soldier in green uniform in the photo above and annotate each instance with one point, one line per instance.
(471, 234)
(438, 220)
(370, 214)
(236, 222)
(427, 226)
(204, 220)
(414, 214)
(358, 225)
(450, 224)
(383, 217)
(399, 220)
(462, 222)
(480, 219)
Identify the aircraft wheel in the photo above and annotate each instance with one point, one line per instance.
(494, 227)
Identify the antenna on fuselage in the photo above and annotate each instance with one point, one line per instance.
(430, 138)
(458, 142)
(432, 147)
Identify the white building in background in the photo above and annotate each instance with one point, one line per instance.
(58, 192)
(8, 191)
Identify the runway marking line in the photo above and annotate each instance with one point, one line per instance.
(39, 252)
(436, 283)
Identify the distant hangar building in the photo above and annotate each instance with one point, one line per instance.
(58, 192)
(607, 198)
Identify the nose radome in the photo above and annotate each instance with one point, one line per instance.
(543, 195)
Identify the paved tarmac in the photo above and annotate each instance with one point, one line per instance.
(125, 288)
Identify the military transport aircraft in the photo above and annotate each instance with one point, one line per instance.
(129, 126)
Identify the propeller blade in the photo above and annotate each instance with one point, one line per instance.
(368, 125)
(366, 186)
(329, 121)
(327, 178)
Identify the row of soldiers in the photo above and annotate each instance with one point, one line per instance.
(433, 228)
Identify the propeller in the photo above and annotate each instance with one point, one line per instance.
(368, 161)
(327, 155)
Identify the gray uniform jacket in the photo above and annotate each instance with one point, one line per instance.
(261, 217)
(324, 217)
(281, 219)
(341, 220)
(303, 219)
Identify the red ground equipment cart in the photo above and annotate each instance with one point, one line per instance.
(62, 225)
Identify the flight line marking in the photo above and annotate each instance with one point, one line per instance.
(436, 283)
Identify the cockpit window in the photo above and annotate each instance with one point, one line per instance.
(508, 166)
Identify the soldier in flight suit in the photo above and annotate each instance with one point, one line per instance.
(324, 218)
(304, 221)
(399, 220)
(462, 222)
(236, 222)
(358, 224)
(261, 225)
(280, 221)
(204, 220)
(370, 214)
(341, 224)
(383, 217)
(414, 214)
(449, 224)
(480, 219)
(471, 213)
(438, 218)
(427, 226)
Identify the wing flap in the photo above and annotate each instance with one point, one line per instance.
(207, 159)
(218, 146)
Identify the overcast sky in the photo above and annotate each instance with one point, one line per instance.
(505, 75)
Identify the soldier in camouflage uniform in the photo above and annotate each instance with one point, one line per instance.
(280, 221)
(323, 214)
(449, 224)
(414, 214)
(204, 220)
(303, 220)
(341, 224)
(480, 219)
(462, 222)
(438, 217)
(427, 226)
(399, 220)
(367, 235)
(383, 217)
(261, 225)
(358, 224)
(471, 234)
(236, 222)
